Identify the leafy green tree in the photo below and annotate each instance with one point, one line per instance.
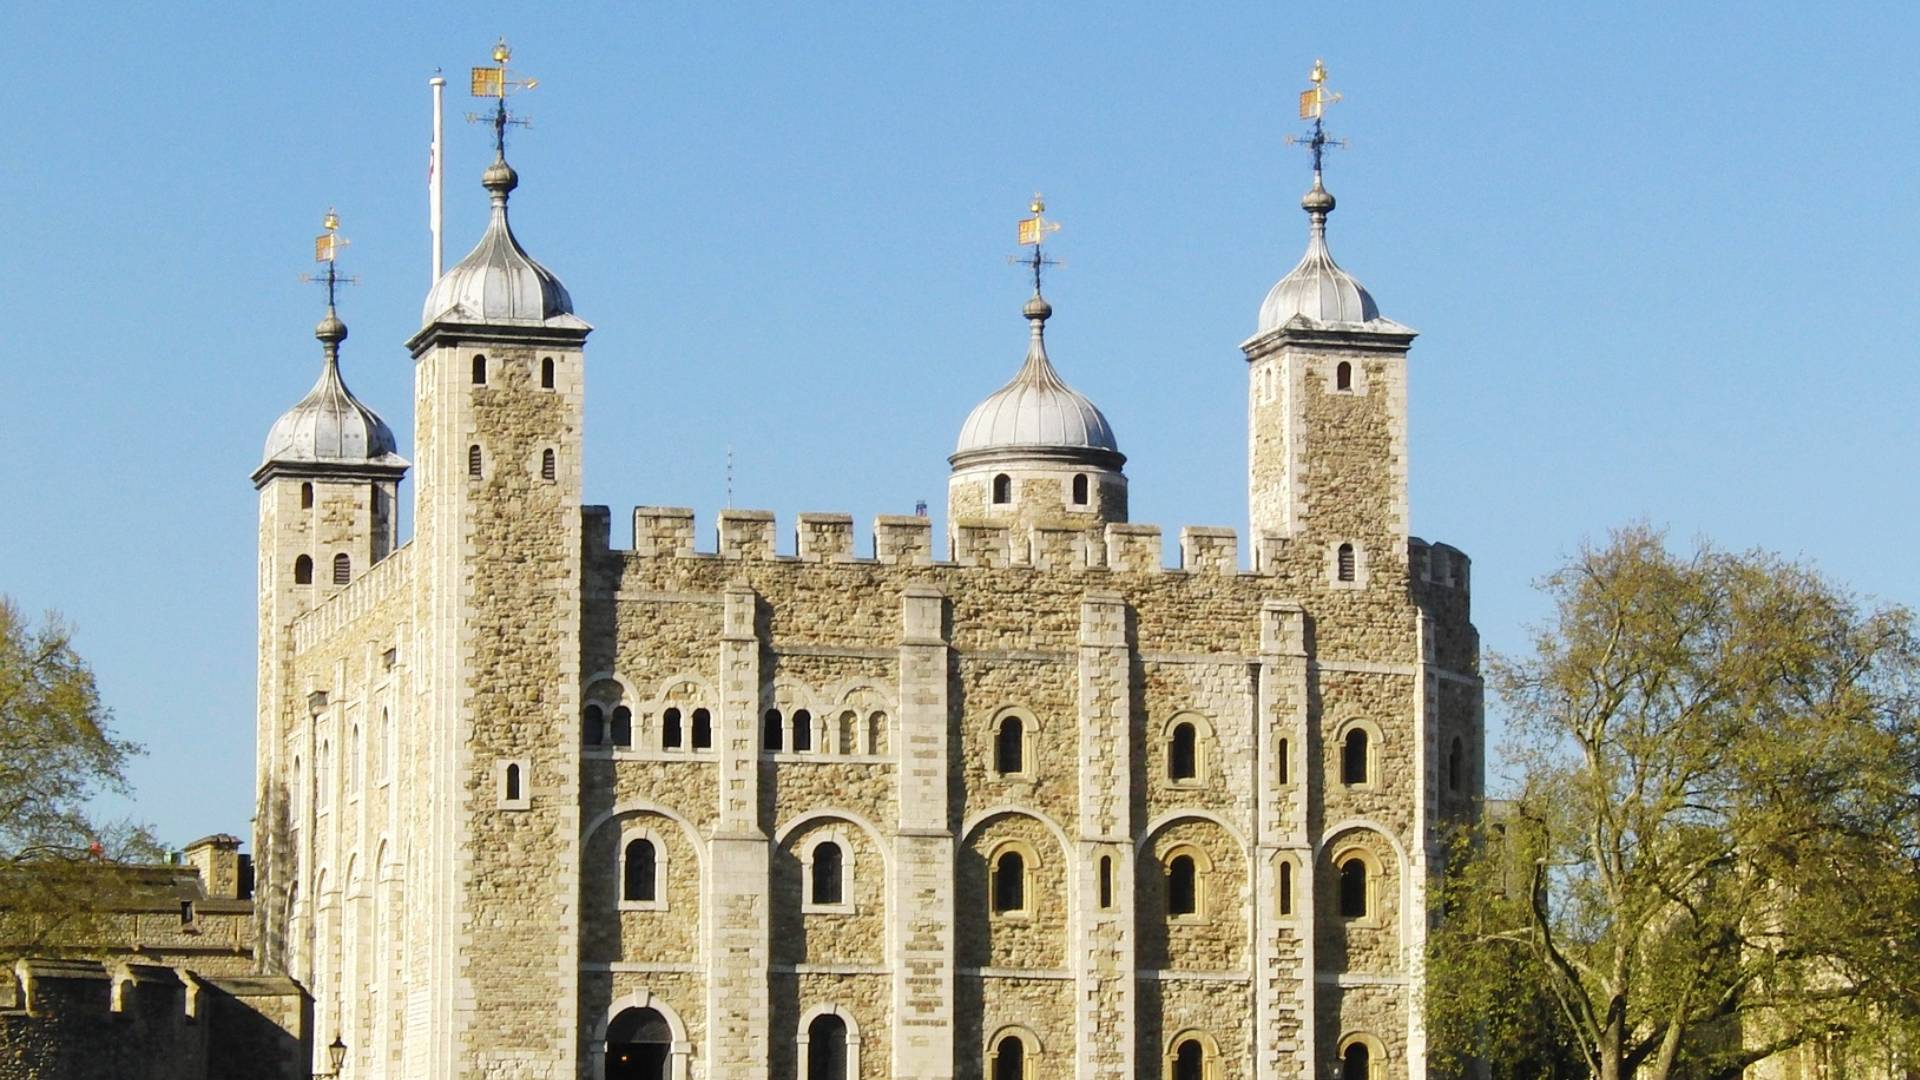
(59, 868)
(1714, 854)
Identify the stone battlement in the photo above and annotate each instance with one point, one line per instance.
(386, 577)
(907, 540)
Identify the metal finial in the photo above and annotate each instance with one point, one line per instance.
(1313, 106)
(326, 249)
(1033, 233)
(497, 82)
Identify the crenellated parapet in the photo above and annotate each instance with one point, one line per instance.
(387, 578)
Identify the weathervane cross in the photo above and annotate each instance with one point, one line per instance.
(1313, 106)
(497, 82)
(1033, 233)
(326, 249)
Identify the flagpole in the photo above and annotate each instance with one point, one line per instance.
(437, 171)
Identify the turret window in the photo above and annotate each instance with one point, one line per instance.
(342, 569)
(1343, 376)
(303, 570)
(1002, 489)
(473, 460)
(306, 496)
(479, 371)
(1080, 490)
(547, 465)
(546, 373)
(1345, 562)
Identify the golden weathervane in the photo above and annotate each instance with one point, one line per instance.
(497, 82)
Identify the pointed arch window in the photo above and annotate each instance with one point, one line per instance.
(342, 569)
(303, 570)
(773, 732)
(702, 729)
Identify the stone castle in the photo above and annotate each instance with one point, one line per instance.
(537, 804)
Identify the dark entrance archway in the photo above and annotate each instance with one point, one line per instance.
(639, 1046)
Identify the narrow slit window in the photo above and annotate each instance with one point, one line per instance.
(1183, 753)
(623, 726)
(513, 783)
(479, 371)
(1009, 883)
(1106, 883)
(342, 569)
(773, 731)
(670, 733)
(1285, 763)
(1183, 891)
(303, 570)
(1345, 561)
(702, 729)
(1009, 747)
(547, 468)
(638, 879)
(473, 460)
(546, 373)
(1002, 489)
(1080, 490)
(1353, 757)
(802, 731)
(1286, 888)
(828, 868)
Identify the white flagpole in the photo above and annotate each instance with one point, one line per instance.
(435, 176)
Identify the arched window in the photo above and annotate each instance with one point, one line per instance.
(622, 726)
(877, 733)
(1345, 559)
(773, 732)
(546, 373)
(1189, 1060)
(1285, 763)
(1010, 1059)
(1009, 883)
(1080, 489)
(593, 723)
(670, 734)
(546, 465)
(353, 758)
(306, 496)
(1343, 376)
(323, 776)
(1286, 888)
(1009, 747)
(513, 783)
(1106, 883)
(479, 370)
(702, 729)
(802, 731)
(1183, 753)
(386, 745)
(637, 876)
(1353, 757)
(639, 1043)
(1183, 886)
(1002, 489)
(473, 460)
(342, 569)
(1456, 766)
(847, 728)
(293, 798)
(303, 571)
(827, 1048)
(1353, 888)
(828, 866)
(1356, 1063)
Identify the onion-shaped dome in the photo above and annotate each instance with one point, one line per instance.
(498, 282)
(1317, 288)
(330, 426)
(1037, 411)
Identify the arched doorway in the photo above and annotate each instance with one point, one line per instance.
(639, 1046)
(827, 1048)
(1357, 1062)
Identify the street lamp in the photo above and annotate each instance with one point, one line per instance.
(336, 1054)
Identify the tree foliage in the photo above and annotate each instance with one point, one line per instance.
(1713, 856)
(59, 868)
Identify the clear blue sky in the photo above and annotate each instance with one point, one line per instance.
(1661, 256)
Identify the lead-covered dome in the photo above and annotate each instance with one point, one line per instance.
(1037, 411)
(330, 426)
(498, 282)
(1317, 288)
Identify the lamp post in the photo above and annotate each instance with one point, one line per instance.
(336, 1055)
